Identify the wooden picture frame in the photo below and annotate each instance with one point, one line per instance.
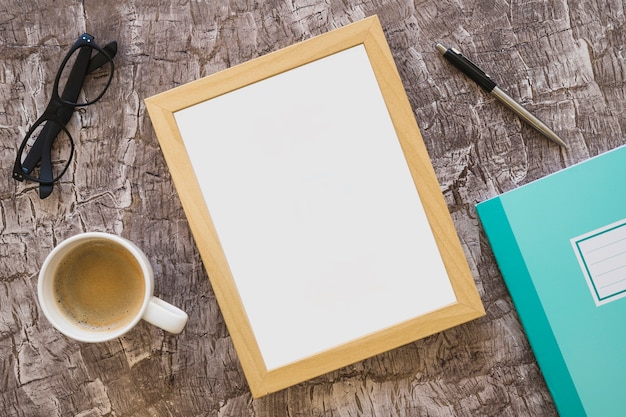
(315, 207)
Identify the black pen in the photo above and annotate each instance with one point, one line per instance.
(487, 84)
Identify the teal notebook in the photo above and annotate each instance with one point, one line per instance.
(560, 243)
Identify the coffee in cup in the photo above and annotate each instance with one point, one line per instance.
(99, 285)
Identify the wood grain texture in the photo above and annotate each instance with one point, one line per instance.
(564, 60)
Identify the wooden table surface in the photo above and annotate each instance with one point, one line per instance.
(564, 60)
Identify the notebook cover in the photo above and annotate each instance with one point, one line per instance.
(534, 231)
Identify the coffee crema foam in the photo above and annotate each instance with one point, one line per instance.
(99, 286)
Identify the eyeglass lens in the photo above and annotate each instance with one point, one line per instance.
(60, 152)
(75, 69)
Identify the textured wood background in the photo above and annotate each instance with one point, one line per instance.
(564, 60)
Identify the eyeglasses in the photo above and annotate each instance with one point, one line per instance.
(46, 151)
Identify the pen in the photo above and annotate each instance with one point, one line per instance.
(487, 84)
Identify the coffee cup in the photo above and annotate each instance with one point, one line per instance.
(95, 287)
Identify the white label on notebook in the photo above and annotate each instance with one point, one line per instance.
(602, 257)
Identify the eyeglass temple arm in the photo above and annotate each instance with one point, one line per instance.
(70, 93)
(100, 59)
(61, 112)
(42, 147)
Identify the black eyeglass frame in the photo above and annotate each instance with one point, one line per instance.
(60, 109)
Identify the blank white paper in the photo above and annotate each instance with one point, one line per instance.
(315, 207)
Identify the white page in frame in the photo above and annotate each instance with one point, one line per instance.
(315, 207)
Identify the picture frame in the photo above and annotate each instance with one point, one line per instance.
(314, 206)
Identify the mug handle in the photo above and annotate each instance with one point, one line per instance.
(164, 315)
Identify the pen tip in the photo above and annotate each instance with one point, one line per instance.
(442, 49)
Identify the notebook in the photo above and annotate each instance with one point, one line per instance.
(560, 243)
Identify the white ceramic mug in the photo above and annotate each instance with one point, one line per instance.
(146, 305)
